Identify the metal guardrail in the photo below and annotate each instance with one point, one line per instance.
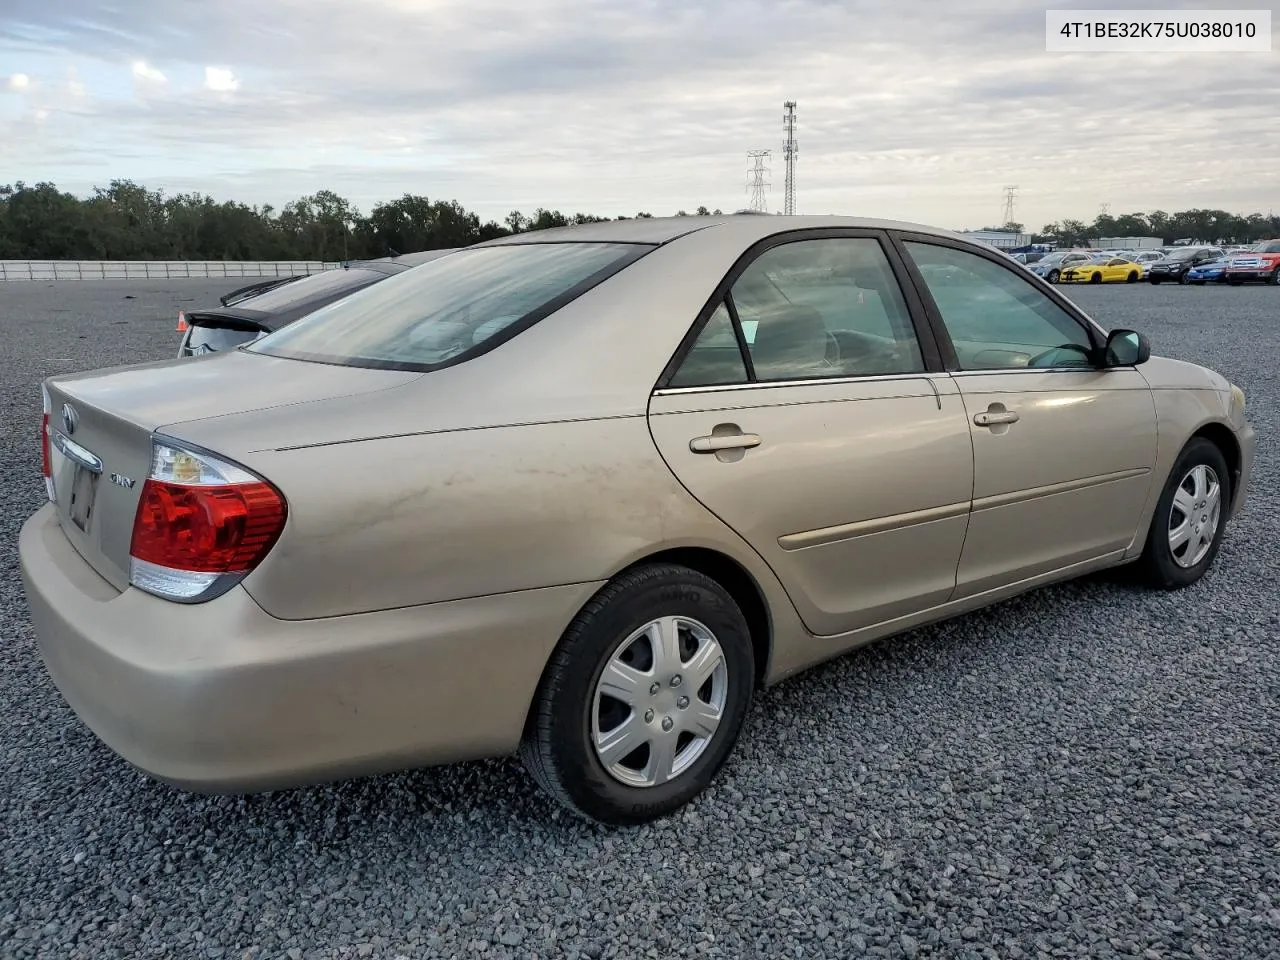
(156, 269)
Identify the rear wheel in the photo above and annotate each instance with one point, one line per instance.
(644, 697)
(1132, 277)
(1185, 278)
(1052, 276)
(1190, 519)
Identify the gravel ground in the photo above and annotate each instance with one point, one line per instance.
(1087, 771)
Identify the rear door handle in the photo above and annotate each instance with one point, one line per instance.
(990, 418)
(732, 441)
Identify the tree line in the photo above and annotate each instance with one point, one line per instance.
(126, 221)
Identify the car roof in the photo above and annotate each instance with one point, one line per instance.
(660, 230)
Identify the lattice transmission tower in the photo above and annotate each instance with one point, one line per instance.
(789, 150)
(1010, 194)
(757, 185)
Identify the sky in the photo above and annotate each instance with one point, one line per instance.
(922, 110)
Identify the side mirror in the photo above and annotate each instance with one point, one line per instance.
(1126, 348)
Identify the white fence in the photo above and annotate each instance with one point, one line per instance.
(155, 269)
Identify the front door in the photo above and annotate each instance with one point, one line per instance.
(804, 418)
(1063, 450)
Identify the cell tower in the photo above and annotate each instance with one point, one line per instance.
(757, 185)
(1010, 193)
(789, 150)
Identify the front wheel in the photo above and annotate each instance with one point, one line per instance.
(1274, 279)
(643, 699)
(1190, 519)
(1053, 276)
(1096, 278)
(1154, 281)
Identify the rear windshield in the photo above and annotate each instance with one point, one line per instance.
(450, 309)
(318, 285)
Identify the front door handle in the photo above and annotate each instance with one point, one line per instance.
(728, 441)
(991, 418)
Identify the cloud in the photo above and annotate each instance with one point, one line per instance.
(920, 111)
(41, 116)
(147, 74)
(17, 82)
(220, 80)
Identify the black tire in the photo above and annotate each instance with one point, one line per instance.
(1184, 279)
(557, 748)
(1096, 278)
(1155, 281)
(1156, 567)
(1132, 277)
(1052, 276)
(1275, 277)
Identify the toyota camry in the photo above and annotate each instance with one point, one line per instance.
(578, 494)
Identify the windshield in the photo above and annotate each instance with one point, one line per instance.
(1184, 254)
(1266, 246)
(451, 308)
(1051, 258)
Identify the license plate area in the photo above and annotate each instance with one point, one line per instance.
(80, 503)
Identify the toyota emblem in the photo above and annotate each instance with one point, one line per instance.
(69, 418)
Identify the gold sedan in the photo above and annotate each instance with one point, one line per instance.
(1111, 270)
(580, 493)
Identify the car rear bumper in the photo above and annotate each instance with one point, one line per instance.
(222, 697)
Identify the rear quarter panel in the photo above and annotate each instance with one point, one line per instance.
(413, 520)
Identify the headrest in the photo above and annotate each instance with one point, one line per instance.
(790, 341)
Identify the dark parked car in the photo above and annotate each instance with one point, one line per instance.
(1178, 265)
(260, 308)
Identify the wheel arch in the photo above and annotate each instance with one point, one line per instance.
(740, 584)
(1224, 438)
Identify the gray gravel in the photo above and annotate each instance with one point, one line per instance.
(1088, 771)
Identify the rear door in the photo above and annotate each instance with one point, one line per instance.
(1063, 451)
(806, 410)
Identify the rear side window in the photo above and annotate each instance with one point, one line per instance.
(450, 309)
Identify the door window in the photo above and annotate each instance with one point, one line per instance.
(996, 319)
(808, 309)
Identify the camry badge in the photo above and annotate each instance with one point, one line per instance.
(69, 418)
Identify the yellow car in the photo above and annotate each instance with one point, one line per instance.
(1110, 270)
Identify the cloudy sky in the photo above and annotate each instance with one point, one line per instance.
(917, 110)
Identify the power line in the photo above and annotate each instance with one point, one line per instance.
(757, 185)
(790, 149)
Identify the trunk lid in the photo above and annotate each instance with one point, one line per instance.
(101, 424)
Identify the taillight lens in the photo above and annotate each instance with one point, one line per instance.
(202, 524)
(46, 460)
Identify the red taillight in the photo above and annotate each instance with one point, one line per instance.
(225, 529)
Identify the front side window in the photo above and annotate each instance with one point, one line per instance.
(814, 308)
(995, 318)
(439, 311)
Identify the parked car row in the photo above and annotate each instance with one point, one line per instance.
(1259, 263)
